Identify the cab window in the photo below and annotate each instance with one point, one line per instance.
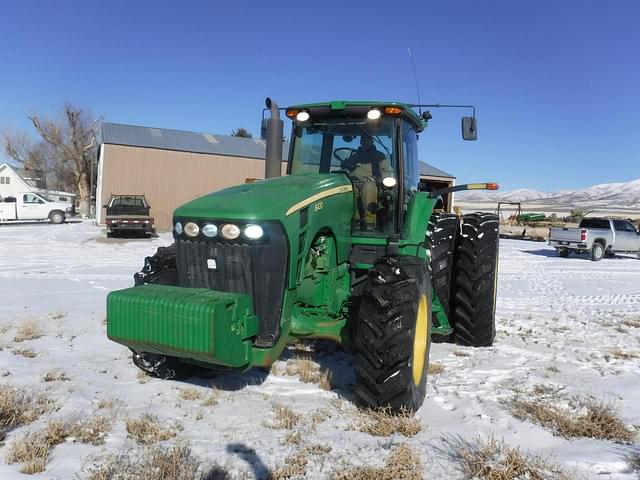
(29, 198)
(366, 153)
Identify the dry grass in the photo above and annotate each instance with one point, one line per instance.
(278, 370)
(632, 322)
(24, 352)
(384, 422)
(493, 459)
(57, 315)
(147, 430)
(623, 355)
(296, 465)
(307, 370)
(588, 417)
(57, 432)
(191, 394)
(53, 376)
(460, 353)
(435, 368)
(28, 330)
(293, 438)
(19, 407)
(212, 399)
(32, 451)
(324, 382)
(175, 463)
(108, 404)
(283, 418)
(84, 429)
(143, 377)
(403, 463)
(93, 430)
(320, 415)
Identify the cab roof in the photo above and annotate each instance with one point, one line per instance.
(344, 107)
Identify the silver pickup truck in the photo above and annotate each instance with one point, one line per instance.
(597, 237)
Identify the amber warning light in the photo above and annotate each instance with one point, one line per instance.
(480, 186)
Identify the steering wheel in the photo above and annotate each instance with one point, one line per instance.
(338, 152)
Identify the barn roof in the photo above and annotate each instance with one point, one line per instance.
(197, 142)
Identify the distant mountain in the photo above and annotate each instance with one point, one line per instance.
(605, 194)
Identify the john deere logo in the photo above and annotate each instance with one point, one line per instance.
(318, 206)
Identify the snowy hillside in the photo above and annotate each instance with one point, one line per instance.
(606, 194)
(568, 339)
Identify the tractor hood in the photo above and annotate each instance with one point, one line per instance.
(266, 199)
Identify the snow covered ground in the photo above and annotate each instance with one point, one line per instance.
(571, 324)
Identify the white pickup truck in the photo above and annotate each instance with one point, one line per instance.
(31, 207)
(597, 237)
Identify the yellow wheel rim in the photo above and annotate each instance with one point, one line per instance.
(420, 340)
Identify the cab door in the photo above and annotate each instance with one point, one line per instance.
(626, 236)
(33, 207)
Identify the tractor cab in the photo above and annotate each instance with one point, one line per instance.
(374, 145)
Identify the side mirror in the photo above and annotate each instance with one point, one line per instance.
(469, 128)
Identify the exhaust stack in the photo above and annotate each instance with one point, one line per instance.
(273, 154)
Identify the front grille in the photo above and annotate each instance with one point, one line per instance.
(258, 269)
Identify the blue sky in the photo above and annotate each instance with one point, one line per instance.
(556, 83)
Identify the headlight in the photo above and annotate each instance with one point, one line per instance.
(389, 182)
(302, 116)
(192, 229)
(210, 230)
(230, 231)
(374, 114)
(178, 228)
(253, 232)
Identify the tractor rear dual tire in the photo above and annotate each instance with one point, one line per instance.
(475, 281)
(441, 240)
(392, 337)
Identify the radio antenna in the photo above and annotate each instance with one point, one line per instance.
(415, 76)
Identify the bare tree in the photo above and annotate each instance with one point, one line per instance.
(33, 156)
(241, 132)
(74, 141)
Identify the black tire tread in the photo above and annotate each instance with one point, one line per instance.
(383, 341)
(441, 240)
(475, 275)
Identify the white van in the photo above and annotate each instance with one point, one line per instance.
(32, 206)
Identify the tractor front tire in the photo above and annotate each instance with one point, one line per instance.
(393, 334)
(475, 281)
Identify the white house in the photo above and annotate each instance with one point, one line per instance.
(12, 184)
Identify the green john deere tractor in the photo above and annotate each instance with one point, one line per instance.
(347, 246)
